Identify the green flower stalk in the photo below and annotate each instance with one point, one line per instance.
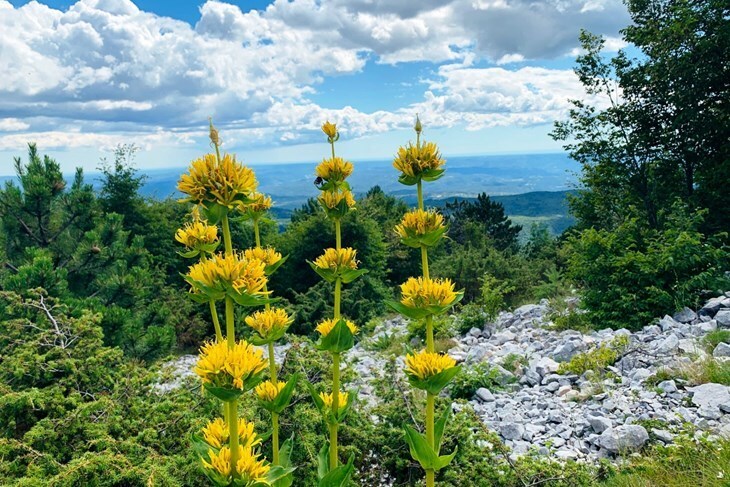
(220, 185)
(339, 266)
(422, 298)
(269, 326)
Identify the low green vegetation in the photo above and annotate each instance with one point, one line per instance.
(596, 359)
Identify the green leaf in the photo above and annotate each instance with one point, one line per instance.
(432, 174)
(270, 269)
(421, 451)
(436, 383)
(285, 452)
(315, 397)
(444, 460)
(284, 398)
(440, 426)
(408, 180)
(276, 473)
(214, 213)
(325, 274)
(225, 394)
(339, 476)
(338, 340)
(413, 313)
(323, 461)
(351, 397)
(188, 254)
(350, 275)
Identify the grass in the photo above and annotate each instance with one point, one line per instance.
(596, 359)
(687, 463)
(714, 338)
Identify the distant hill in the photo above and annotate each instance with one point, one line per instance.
(532, 187)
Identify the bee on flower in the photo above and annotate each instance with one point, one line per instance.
(334, 169)
(325, 326)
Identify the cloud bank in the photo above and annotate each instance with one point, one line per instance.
(105, 72)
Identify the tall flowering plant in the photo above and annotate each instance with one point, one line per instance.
(337, 265)
(220, 187)
(422, 298)
(268, 326)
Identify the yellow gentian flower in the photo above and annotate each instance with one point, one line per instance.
(424, 364)
(226, 183)
(245, 276)
(421, 293)
(329, 129)
(413, 161)
(231, 368)
(269, 322)
(267, 255)
(268, 391)
(325, 327)
(419, 222)
(327, 399)
(337, 260)
(215, 433)
(331, 199)
(334, 169)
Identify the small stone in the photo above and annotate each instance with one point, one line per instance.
(484, 395)
(564, 352)
(511, 431)
(552, 387)
(663, 435)
(669, 344)
(686, 315)
(475, 332)
(563, 390)
(566, 454)
(641, 374)
(723, 318)
(668, 323)
(710, 395)
(721, 350)
(668, 386)
(709, 412)
(599, 423)
(623, 438)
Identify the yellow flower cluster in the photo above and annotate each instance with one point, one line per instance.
(268, 391)
(226, 367)
(334, 169)
(267, 255)
(235, 270)
(197, 233)
(332, 198)
(216, 432)
(337, 259)
(268, 321)
(329, 129)
(248, 466)
(226, 182)
(413, 160)
(421, 293)
(326, 326)
(327, 399)
(426, 364)
(419, 222)
(260, 203)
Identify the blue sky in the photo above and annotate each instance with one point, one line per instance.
(486, 76)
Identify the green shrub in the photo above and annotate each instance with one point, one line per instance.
(596, 359)
(470, 316)
(493, 292)
(631, 274)
(466, 383)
